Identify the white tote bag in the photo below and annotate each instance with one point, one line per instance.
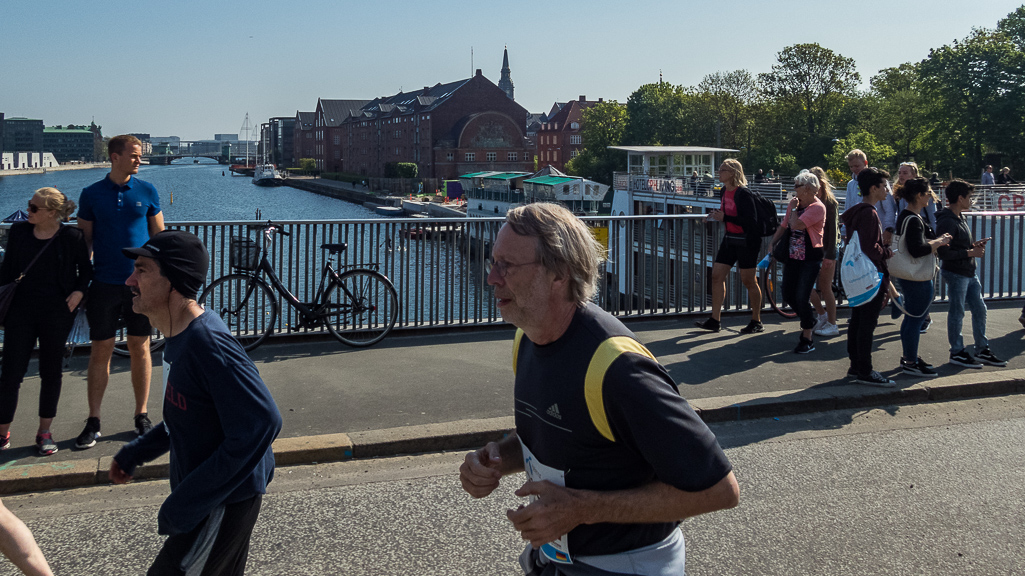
(905, 266)
(861, 281)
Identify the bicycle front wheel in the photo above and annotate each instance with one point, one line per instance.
(772, 289)
(246, 304)
(360, 308)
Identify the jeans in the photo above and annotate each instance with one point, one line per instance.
(860, 330)
(799, 278)
(965, 291)
(917, 300)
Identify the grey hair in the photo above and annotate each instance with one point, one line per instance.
(565, 246)
(806, 178)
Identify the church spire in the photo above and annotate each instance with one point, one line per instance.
(506, 83)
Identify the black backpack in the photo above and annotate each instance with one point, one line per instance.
(766, 218)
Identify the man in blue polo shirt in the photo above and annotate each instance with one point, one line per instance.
(115, 212)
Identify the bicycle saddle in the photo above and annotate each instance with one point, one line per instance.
(334, 248)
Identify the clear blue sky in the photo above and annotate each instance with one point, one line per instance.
(194, 68)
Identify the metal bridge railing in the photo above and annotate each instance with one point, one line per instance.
(658, 265)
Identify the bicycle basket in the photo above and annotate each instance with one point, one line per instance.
(244, 253)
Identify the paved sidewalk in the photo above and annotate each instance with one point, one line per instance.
(433, 391)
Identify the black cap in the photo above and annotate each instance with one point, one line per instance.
(182, 257)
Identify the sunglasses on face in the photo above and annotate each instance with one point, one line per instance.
(33, 208)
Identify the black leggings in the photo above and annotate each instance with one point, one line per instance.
(25, 323)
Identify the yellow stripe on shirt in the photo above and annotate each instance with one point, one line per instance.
(604, 356)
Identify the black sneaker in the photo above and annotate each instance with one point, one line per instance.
(963, 358)
(805, 346)
(987, 357)
(917, 368)
(926, 325)
(87, 439)
(924, 363)
(851, 373)
(142, 424)
(710, 324)
(875, 379)
(752, 327)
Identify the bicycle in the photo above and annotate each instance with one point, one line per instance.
(358, 306)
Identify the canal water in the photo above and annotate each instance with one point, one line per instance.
(193, 192)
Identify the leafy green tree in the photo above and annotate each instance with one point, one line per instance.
(899, 112)
(659, 115)
(809, 88)
(725, 100)
(307, 164)
(602, 125)
(977, 85)
(877, 152)
(1014, 27)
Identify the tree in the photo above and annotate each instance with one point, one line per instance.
(877, 152)
(307, 164)
(659, 115)
(1013, 26)
(602, 125)
(977, 86)
(810, 86)
(725, 98)
(899, 112)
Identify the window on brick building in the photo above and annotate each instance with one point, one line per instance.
(450, 156)
(492, 156)
(514, 156)
(555, 140)
(338, 154)
(338, 140)
(471, 156)
(575, 139)
(574, 153)
(574, 126)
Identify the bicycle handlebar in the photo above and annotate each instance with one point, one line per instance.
(270, 226)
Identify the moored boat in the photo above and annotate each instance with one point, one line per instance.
(266, 175)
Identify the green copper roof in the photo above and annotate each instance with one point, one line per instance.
(551, 180)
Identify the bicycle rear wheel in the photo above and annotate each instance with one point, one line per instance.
(361, 308)
(772, 289)
(246, 304)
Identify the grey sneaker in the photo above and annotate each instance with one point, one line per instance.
(142, 424)
(87, 439)
(963, 358)
(987, 357)
(45, 444)
(875, 379)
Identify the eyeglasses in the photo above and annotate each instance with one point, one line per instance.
(501, 268)
(33, 208)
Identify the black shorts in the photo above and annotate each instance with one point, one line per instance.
(743, 253)
(109, 303)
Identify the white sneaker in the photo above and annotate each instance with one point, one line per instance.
(828, 330)
(820, 322)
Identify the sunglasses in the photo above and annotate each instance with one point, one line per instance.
(33, 208)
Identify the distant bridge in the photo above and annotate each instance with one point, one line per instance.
(223, 153)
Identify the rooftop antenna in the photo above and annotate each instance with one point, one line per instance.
(659, 75)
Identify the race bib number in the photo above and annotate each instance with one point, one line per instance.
(557, 550)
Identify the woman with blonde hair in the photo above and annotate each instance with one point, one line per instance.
(740, 245)
(51, 263)
(825, 324)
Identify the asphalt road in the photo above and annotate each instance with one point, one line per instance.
(919, 489)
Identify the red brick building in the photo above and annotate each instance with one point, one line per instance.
(559, 139)
(328, 132)
(303, 143)
(446, 130)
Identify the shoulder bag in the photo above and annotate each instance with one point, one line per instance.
(903, 265)
(7, 290)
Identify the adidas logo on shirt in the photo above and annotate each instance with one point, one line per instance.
(553, 411)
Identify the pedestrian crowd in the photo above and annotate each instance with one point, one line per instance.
(898, 228)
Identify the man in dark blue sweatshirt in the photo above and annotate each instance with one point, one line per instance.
(219, 417)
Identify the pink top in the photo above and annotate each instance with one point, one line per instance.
(814, 217)
(729, 208)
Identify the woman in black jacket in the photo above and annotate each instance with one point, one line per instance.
(920, 240)
(740, 245)
(43, 306)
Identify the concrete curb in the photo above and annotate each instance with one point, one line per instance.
(467, 434)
